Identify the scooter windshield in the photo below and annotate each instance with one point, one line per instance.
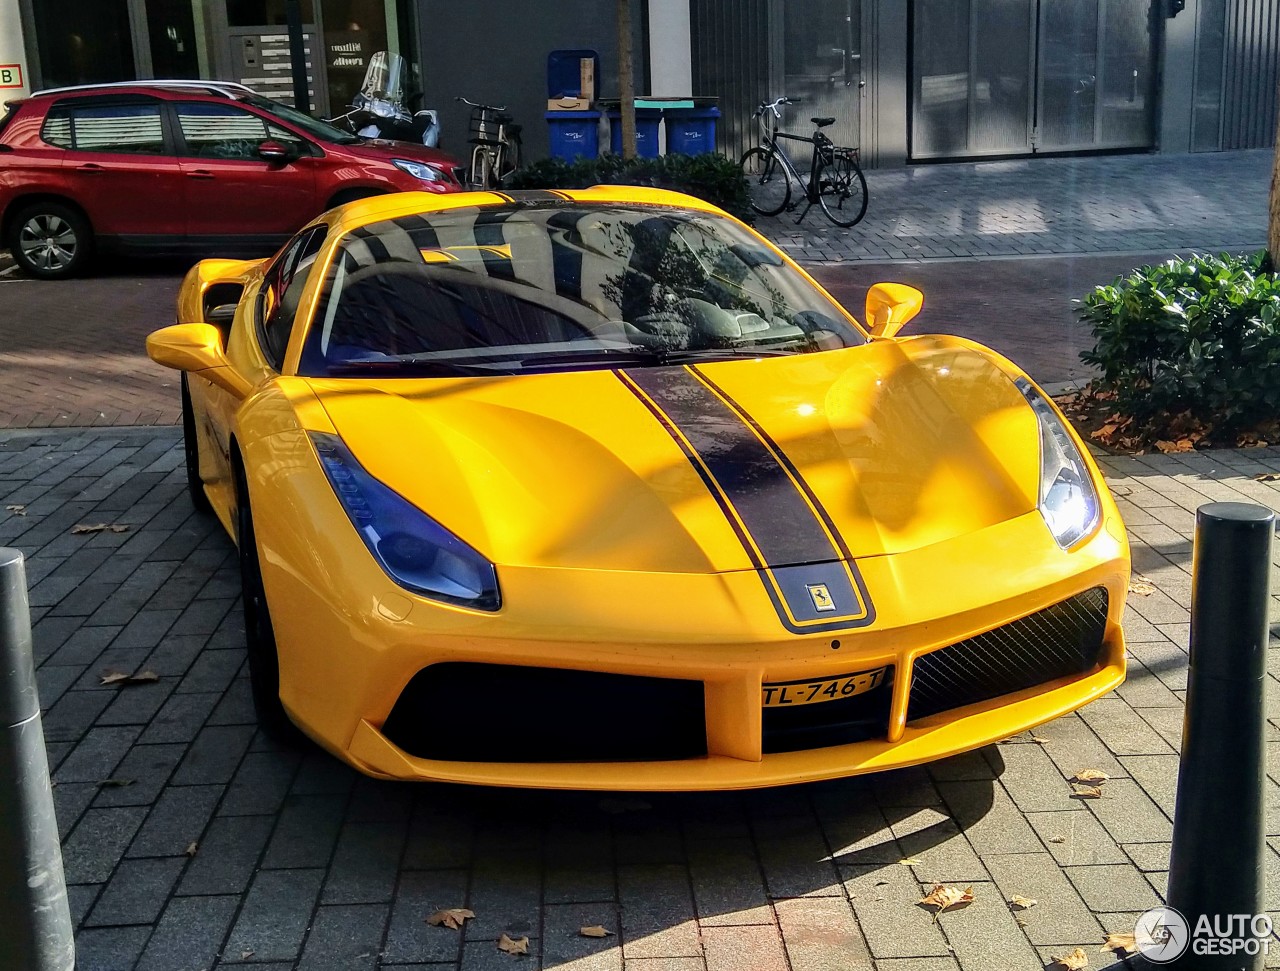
(384, 78)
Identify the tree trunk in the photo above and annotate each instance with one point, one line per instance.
(627, 80)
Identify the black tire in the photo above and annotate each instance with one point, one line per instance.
(191, 449)
(843, 194)
(50, 240)
(260, 638)
(768, 182)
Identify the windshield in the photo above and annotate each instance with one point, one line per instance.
(312, 126)
(384, 78)
(560, 287)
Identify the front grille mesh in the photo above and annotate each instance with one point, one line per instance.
(1059, 641)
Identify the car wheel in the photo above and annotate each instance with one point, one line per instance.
(191, 448)
(50, 240)
(260, 638)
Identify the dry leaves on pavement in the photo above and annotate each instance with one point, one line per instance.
(1141, 585)
(513, 945)
(17, 510)
(944, 897)
(452, 918)
(1022, 903)
(122, 679)
(1260, 477)
(192, 848)
(595, 930)
(99, 528)
(1090, 777)
(1074, 961)
(910, 861)
(1086, 792)
(1123, 943)
(1057, 839)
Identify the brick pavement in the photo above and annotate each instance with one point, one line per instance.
(301, 863)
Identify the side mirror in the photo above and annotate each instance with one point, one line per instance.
(890, 306)
(196, 348)
(274, 152)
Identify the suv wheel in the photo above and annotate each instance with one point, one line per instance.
(50, 240)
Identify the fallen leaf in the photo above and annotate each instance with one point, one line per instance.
(1141, 585)
(513, 945)
(451, 918)
(119, 677)
(191, 849)
(944, 897)
(99, 528)
(1087, 792)
(1057, 839)
(595, 930)
(1074, 961)
(1260, 477)
(1021, 903)
(245, 955)
(1090, 777)
(115, 783)
(910, 861)
(616, 807)
(17, 510)
(1124, 943)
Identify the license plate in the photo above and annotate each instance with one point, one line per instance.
(815, 692)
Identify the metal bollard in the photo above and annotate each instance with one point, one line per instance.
(37, 933)
(1219, 834)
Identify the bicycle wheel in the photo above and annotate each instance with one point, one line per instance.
(842, 189)
(475, 175)
(768, 184)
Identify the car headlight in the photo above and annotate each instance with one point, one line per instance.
(1068, 500)
(415, 550)
(420, 170)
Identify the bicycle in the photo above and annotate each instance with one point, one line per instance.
(498, 149)
(836, 183)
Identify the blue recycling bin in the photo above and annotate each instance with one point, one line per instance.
(574, 134)
(647, 121)
(691, 131)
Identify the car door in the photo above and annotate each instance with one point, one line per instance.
(119, 166)
(231, 191)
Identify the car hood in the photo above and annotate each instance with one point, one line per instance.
(710, 468)
(385, 149)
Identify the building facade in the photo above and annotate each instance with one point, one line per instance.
(908, 80)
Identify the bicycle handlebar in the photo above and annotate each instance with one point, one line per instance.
(773, 106)
(486, 107)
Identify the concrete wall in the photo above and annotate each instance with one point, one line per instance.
(12, 52)
(497, 54)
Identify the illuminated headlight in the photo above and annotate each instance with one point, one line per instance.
(414, 550)
(420, 170)
(1068, 500)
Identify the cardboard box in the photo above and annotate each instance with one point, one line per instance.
(587, 72)
(569, 104)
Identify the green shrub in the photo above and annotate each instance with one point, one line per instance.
(710, 177)
(1199, 335)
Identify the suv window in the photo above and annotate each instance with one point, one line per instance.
(127, 129)
(282, 292)
(221, 131)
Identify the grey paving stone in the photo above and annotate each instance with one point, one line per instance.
(344, 938)
(858, 834)
(212, 671)
(733, 948)
(728, 884)
(1062, 917)
(1116, 887)
(227, 855)
(1157, 775)
(138, 704)
(275, 915)
(1148, 857)
(563, 945)
(82, 645)
(365, 864)
(305, 833)
(439, 841)
(885, 902)
(935, 840)
(1129, 814)
(658, 917)
(985, 934)
(177, 820)
(260, 784)
(52, 683)
(80, 898)
(988, 818)
(409, 937)
(822, 934)
(180, 718)
(72, 714)
(1073, 745)
(137, 892)
(109, 948)
(215, 755)
(917, 964)
(98, 842)
(507, 899)
(1076, 838)
(96, 755)
(1034, 781)
(70, 800)
(1122, 730)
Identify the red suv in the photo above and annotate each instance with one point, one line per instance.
(177, 167)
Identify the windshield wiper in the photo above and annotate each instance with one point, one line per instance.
(649, 357)
(417, 367)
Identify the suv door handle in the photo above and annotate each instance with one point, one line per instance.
(199, 173)
(90, 167)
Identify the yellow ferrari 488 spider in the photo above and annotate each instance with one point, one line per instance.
(598, 489)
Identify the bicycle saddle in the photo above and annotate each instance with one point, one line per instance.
(823, 122)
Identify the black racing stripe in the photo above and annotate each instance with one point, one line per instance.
(758, 487)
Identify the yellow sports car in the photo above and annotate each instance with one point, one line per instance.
(598, 489)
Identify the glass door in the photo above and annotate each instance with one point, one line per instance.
(172, 30)
(822, 66)
(83, 42)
